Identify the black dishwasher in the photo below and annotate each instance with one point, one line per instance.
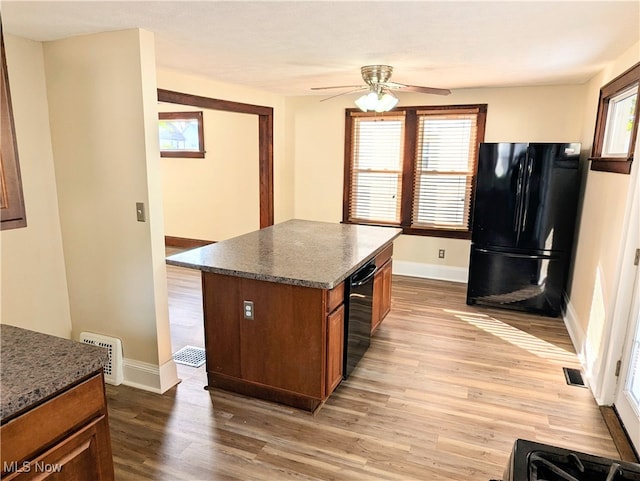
(357, 325)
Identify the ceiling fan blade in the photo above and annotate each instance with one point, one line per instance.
(360, 88)
(425, 90)
(339, 87)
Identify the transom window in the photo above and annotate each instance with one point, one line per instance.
(617, 135)
(617, 123)
(413, 167)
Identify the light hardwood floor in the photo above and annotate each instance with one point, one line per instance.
(442, 394)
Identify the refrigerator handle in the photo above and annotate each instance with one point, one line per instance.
(518, 256)
(518, 211)
(527, 186)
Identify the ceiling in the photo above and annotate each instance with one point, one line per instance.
(287, 47)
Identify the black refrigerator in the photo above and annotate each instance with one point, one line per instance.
(523, 221)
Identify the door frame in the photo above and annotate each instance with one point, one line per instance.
(626, 277)
(631, 336)
(265, 139)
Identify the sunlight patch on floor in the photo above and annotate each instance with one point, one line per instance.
(521, 339)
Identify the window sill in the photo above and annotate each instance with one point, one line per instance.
(451, 234)
(616, 165)
(183, 154)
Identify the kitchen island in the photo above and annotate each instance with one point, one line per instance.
(274, 305)
(53, 408)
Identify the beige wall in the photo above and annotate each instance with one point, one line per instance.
(594, 288)
(230, 168)
(102, 106)
(103, 118)
(33, 281)
(217, 197)
(536, 114)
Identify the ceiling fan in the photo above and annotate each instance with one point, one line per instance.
(380, 96)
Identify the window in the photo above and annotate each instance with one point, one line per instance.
(617, 124)
(413, 167)
(377, 169)
(181, 134)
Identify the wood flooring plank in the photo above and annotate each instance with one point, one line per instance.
(442, 394)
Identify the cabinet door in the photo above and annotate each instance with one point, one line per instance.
(386, 290)
(83, 456)
(335, 344)
(381, 295)
(11, 198)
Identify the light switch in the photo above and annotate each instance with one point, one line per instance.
(140, 212)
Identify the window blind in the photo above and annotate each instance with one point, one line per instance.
(444, 169)
(413, 168)
(376, 169)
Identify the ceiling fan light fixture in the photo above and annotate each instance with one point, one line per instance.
(380, 102)
(367, 101)
(386, 102)
(361, 103)
(378, 85)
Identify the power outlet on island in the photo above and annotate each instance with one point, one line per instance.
(440, 253)
(248, 310)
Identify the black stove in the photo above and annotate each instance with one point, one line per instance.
(531, 461)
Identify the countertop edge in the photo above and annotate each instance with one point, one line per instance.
(27, 380)
(283, 280)
(44, 395)
(253, 275)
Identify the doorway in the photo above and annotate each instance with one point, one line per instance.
(184, 286)
(265, 139)
(215, 196)
(627, 392)
(627, 400)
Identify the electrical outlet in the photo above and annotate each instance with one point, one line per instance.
(248, 310)
(440, 253)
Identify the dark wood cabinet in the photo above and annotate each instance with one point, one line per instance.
(382, 288)
(12, 210)
(79, 457)
(335, 348)
(64, 439)
(289, 348)
(290, 352)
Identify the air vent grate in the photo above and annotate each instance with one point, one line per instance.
(190, 356)
(573, 377)
(113, 369)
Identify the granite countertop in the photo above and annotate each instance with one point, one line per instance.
(299, 252)
(35, 366)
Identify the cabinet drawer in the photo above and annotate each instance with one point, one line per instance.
(27, 435)
(335, 297)
(384, 256)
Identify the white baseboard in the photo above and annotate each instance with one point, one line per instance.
(168, 375)
(149, 377)
(579, 340)
(431, 271)
(576, 333)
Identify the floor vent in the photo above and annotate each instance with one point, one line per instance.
(573, 377)
(190, 356)
(113, 369)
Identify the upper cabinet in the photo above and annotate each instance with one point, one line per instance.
(12, 212)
